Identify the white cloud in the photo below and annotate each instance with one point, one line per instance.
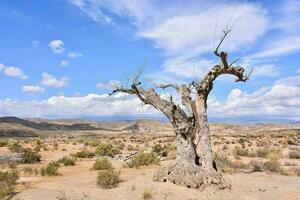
(279, 47)
(291, 80)
(74, 54)
(1, 67)
(57, 46)
(13, 71)
(89, 7)
(187, 68)
(77, 107)
(64, 63)
(277, 101)
(185, 29)
(50, 80)
(110, 85)
(266, 70)
(32, 89)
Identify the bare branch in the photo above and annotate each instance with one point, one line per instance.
(165, 86)
(225, 33)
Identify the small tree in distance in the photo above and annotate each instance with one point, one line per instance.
(194, 166)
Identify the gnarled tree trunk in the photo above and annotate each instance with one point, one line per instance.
(194, 166)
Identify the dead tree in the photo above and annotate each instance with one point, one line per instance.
(195, 166)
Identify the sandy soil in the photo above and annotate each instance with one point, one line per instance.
(79, 182)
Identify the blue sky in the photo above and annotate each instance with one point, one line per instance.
(57, 57)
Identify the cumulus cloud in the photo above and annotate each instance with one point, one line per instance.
(50, 80)
(64, 63)
(57, 46)
(77, 106)
(277, 101)
(12, 71)
(32, 89)
(74, 54)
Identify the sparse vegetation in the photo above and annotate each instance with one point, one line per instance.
(238, 151)
(67, 161)
(7, 184)
(30, 157)
(142, 159)
(102, 163)
(147, 195)
(294, 154)
(84, 154)
(51, 169)
(106, 150)
(108, 178)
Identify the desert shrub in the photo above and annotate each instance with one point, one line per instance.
(105, 150)
(28, 170)
(238, 151)
(84, 154)
(294, 154)
(256, 166)
(7, 184)
(3, 143)
(30, 157)
(272, 165)
(147, 195)
(274, 154)
(94, 143)
(51, 169)
(67, 161)
(296, 171)
(142, 159)
(130, 148)
(108, 178)
(160, 150)
(102, 163)
(55, 145)
(262, 153)
(15, 147)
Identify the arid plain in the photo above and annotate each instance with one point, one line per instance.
(261, 161)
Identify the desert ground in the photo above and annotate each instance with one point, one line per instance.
(260, 161)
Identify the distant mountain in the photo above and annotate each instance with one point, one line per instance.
(46, 125)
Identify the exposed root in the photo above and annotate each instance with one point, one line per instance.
(191, 176)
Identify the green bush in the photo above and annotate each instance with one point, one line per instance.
(108, 178)
(67, 161)
(105, 150)
(15, 147)
(240, 151)
(3, 143)
(262, 153)
(84, 154)
(101, 164)
(7, 184)
(142, 159)
(30, 157)
(51, 169)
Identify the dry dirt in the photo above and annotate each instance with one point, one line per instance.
(79, 182)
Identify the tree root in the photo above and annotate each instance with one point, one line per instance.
(191, 176)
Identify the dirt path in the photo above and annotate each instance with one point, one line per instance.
(78, 183)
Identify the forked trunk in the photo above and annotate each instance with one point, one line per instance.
(189, 170)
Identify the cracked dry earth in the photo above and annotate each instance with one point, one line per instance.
(78, 182)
